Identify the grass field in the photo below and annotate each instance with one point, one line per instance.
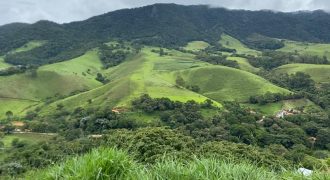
(3, 64)
(28, 46)
(29, 137)
(106, 163)
(319, 73)
(22, 90)
(196, 46)
(244, 64)
(307, 48)
(232, 43)
(16, 106)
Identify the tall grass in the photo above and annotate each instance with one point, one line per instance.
(105, 163)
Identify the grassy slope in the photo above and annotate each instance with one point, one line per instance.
(307, 48)
(3, 64)
(60, 78)
(29, 46)
(319, 73)
(225, 84)
(135, 77)
(196, 45)
(115, 164)
(232, 43)
(32, 138)
(244, 64)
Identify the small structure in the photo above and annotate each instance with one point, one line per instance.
(118, 110)
(19, 125)
(305, 172)
(285, 112)
(95, 136)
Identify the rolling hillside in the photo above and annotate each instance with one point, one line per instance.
(305, 48)
(232, 43)
(21, 91)
(227, 84)
(319, 73)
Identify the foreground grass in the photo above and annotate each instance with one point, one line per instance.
(105, 163)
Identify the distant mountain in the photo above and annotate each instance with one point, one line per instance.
(168, 25)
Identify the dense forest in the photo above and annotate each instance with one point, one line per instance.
(167, 25)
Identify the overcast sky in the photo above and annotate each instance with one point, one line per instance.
(72, 10)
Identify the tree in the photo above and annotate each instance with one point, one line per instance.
(9, 115)
(180, 81)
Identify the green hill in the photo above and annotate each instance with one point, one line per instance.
(196, 45)
(305, 48)
(232, 43)
(244, 64)
(142, 74)
(319, 73)
(59, 79)
(226, 84)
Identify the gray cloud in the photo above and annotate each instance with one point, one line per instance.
(72, 10)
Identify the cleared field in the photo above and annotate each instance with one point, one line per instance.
(244, 64)
(319, 73)
(232, 43)
(29, 46)
(196, 46)
(29, 137)
(15, 105)
(273, 108)
(3, 64)
(307, 48)
(227, 84)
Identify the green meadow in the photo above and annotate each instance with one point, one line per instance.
(232, 43)
(319, 73)
(227, 84)
(315, 49)
(244, 64)
(28, 46)
(196, 46)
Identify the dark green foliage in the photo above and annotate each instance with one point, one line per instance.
(258, 41)
(112, 55)
(101, 78)
(218, 60)
(272, 98)
(272, 59)
(166, 25)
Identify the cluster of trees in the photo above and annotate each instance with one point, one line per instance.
(258, 41)
(189, 131)
(303, 85)
(31, 70)
(272, 98)
(217, 59)
(114, 54)
(272, 59)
